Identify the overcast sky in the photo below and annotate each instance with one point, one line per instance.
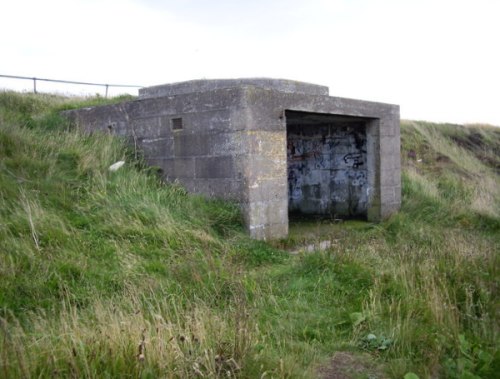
(438, 59)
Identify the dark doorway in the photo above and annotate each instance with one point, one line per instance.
(328, 165)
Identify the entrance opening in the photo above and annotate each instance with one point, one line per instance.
(329, 167)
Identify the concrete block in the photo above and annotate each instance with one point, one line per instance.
(210, 121)
(184, 167)
(228, 189)
(156, 147)
(149, 127)
(174, 168)
(267, 190)
(387, 195)
(261, 168)
(390, 177)
(266, 143)
(208, 144)
(389, 146)
(189, 103)
(190, 145)
(390, 126)
(107, 119)
(226, 143)
(214, 167)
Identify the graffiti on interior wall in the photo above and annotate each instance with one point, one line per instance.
(354, 159)
(308, 155)
(327, 170)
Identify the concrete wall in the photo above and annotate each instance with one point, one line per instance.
(267, 116)
(207, 156)
(327, 169)
(233, 143)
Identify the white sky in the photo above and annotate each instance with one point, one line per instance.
(438, 59)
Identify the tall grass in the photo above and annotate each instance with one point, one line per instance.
(86, 251)
(116, 274)
(436, 293)
(146, 336)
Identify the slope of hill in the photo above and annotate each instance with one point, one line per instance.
(118, 274)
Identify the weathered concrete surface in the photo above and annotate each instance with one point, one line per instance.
(233, 144)
(327, 166)
(204, 85)
(267, 112)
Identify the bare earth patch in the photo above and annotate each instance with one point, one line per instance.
(347, 365)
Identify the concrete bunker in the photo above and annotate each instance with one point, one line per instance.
(330, 171)
(274, 146)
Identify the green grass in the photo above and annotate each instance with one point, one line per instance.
(120, 275)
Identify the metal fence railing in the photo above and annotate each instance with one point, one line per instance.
(34, 79)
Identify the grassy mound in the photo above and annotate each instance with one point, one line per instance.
(117, 274)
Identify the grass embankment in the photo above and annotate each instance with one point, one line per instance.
(119, 275)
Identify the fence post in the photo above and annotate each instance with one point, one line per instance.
(107, 86)
(34, 85)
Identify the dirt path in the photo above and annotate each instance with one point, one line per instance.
(347, 365)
